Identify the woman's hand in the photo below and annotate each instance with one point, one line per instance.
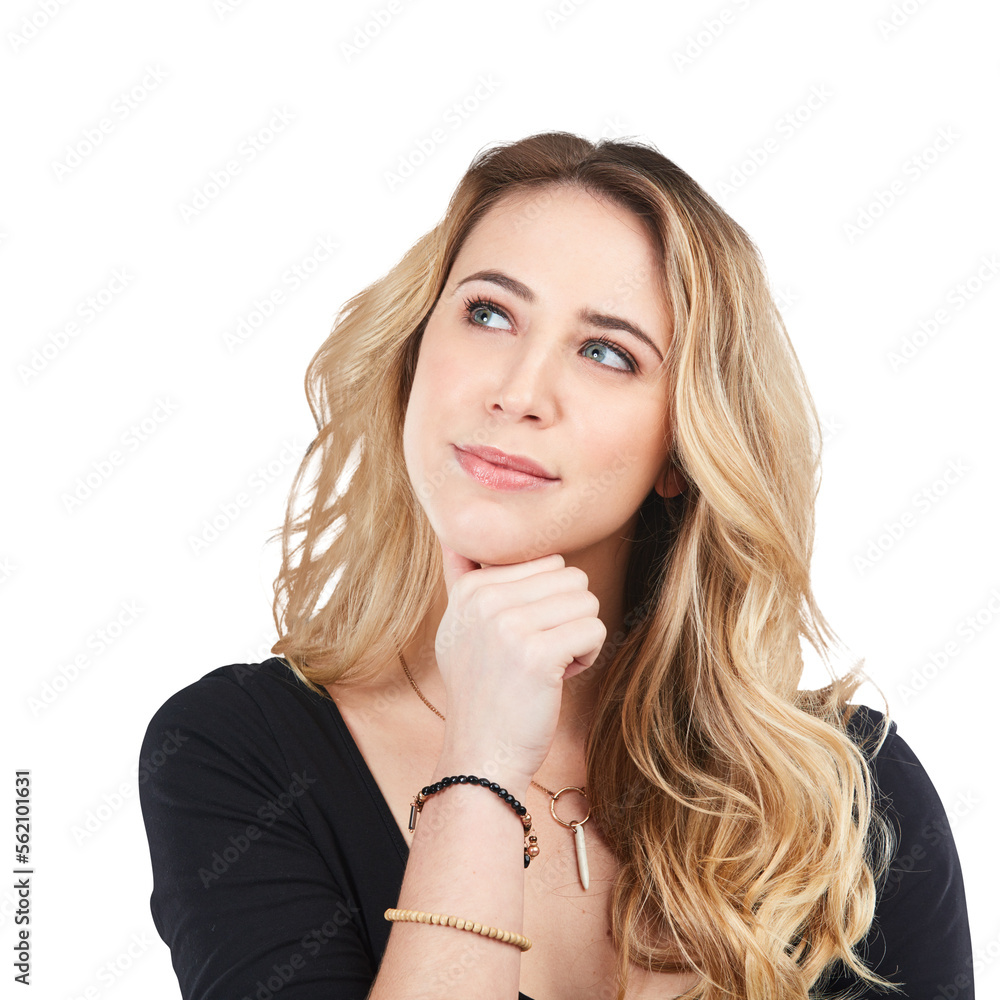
(508, 638)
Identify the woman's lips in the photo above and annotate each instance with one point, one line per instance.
(496, 477)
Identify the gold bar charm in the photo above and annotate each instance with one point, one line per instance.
(581, 855)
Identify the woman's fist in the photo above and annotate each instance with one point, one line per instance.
(508, 638)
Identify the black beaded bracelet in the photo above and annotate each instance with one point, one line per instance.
(530, 840)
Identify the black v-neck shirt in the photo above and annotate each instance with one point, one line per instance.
(275, 854)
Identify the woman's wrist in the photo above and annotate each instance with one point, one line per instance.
(477, 765)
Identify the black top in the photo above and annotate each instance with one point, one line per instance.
(275, 854)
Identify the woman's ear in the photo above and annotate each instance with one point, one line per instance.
(671, 481)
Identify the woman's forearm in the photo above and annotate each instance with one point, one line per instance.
(466, 860)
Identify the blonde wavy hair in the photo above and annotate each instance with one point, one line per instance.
(739, 808)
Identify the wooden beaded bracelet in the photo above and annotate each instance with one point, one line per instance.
(530, 839)
(420, 917)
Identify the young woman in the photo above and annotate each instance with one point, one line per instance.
(535, 729)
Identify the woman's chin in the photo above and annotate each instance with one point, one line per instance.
(494, 551)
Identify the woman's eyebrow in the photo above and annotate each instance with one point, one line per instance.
(603, 321)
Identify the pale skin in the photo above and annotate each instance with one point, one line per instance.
(533, 582)
(533, 382)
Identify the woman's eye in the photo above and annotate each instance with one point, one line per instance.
(479, 310)
(604, 348)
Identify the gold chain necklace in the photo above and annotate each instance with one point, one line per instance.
(576, 825)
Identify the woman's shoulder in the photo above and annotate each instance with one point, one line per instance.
(925, 868)
(920, 934)
(238, 703)
(897, 770)
(904, 793)
(263, 681)
(865, 726)
(902, 784)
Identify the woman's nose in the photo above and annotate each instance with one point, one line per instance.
(527, 378)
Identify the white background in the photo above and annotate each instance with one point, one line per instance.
(216, 420)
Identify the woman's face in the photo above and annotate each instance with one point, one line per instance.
(513, 358)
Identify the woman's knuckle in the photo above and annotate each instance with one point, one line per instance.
(506, 620)
(480, 601)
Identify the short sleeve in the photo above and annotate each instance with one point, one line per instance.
(920, 936)
(241, 895)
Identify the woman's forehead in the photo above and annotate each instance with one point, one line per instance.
(566, 238)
